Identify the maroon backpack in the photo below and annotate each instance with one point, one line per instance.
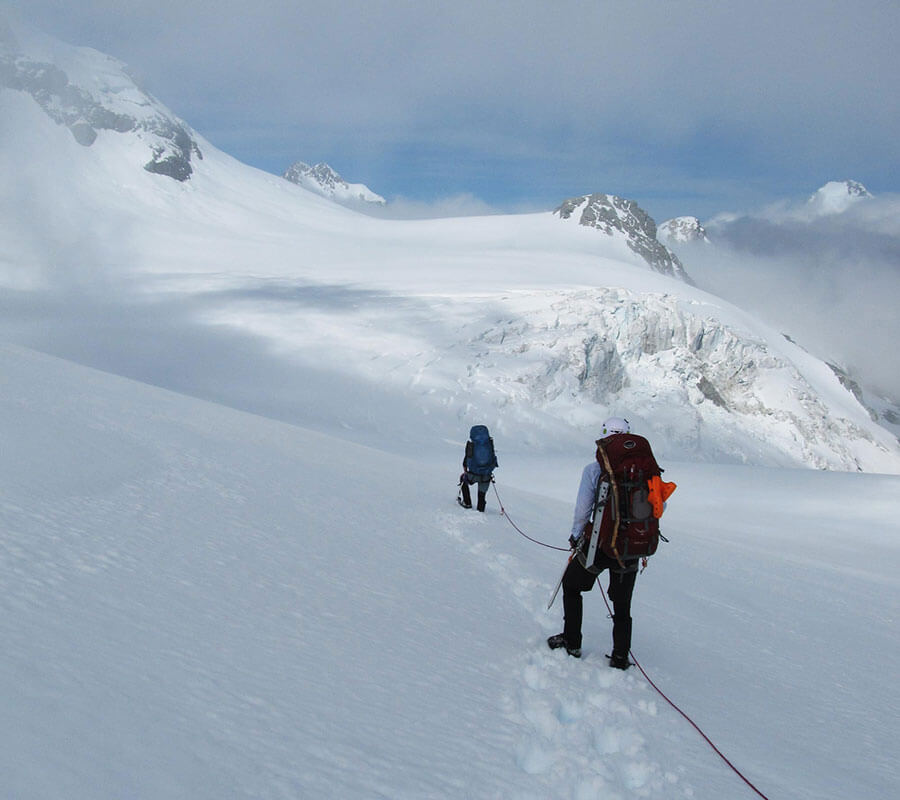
(625, 525)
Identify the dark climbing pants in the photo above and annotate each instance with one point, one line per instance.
(621, 586)
(466, 480)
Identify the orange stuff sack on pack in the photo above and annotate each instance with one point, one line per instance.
(659, 491)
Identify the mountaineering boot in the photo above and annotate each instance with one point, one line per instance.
(621, 642)
(556, 641)
(481, 500)
(619, 660)
(559, 640)
(466, 501)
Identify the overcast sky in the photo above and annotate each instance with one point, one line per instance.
(686, 107)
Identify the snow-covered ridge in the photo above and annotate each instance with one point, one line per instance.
(681, 230)
(323, 180)
(835, 197)
(88, 92)
(618, 216)
(431, 314)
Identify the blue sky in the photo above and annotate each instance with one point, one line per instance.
(685, 107)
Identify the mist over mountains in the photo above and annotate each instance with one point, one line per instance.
(208, 604)
(824, 269)
(88, 92)
(235, 285)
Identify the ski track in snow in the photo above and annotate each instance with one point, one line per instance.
(582, 725)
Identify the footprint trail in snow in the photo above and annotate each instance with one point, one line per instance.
(584, 726)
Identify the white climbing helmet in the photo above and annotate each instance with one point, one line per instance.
(615, 425)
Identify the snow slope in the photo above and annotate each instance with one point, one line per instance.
(439, 313)
(201, 603)
(323, 180)
(536, 324)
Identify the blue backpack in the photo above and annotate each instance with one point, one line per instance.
(480, 457)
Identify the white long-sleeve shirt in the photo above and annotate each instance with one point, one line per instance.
(587, 492)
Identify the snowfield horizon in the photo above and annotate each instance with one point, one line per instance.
(143, 238)
(233, 414)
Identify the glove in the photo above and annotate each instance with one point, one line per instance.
(574, 542)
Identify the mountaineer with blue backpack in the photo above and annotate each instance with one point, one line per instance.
(479, 463)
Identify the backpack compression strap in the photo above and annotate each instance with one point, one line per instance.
(614, 488)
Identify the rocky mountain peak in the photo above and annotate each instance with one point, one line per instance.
(324, 180)
(837, 196)
(111, 103)
(617, 216)
(682, 230)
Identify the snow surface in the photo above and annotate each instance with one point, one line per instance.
(535, 326)
(422, 309)
(202, 603)
(682, 229)
(323, 180)
(835, 197)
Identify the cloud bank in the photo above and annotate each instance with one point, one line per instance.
(687, 107)
(830, 281)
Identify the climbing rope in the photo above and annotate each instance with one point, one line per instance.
(692, 723)
(634, 660)
(518, 529)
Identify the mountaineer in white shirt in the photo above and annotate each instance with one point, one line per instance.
(580, 575)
